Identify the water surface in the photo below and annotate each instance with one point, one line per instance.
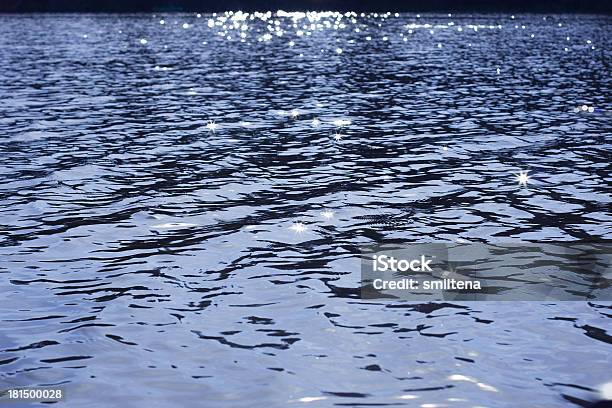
(154, 179)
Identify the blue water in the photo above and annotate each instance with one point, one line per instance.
(175, 230)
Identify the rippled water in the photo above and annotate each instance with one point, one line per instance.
(149, 257)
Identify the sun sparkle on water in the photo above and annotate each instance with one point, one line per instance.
(522, 178)
(241, 26)
(298, 227)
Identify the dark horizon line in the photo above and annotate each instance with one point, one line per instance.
(209, 6)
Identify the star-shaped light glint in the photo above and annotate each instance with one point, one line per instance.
(212, 126)
(522, 178)
(298, 227)
(316, 123)
(338, 137)
(295, 113)
(328, 214)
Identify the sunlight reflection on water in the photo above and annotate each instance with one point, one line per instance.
(183, 203)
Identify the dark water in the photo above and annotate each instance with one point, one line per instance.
(149, 260)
